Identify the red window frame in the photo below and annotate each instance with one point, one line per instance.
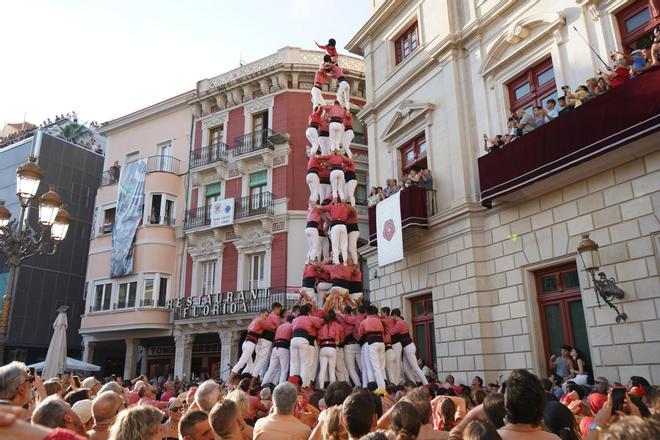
(629, 37)
(409, 37)
(418, 156)
(562, 296)
(426, 319)
(536, 92)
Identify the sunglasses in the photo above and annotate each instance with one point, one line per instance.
(176, 409)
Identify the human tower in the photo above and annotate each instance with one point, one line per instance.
(330, 333)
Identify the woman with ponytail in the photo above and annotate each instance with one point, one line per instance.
(405, 422)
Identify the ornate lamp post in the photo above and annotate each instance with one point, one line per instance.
(18, 240)
(605, 288)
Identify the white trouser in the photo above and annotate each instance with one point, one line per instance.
(390, 366)
(336, 135)
(246, 357)
(346, 140)
(377, 358)
(352, 246)
(313, 138)
(279, 360)
(324, 191)
(313, 183)
(324, 144)
(366, 367)
(340, 369)
(312, 365)
(343, 93)
(410, 363)
(314, 244)
(325, 246)
(327, 365)
(398, 349)
(317, 97)
(339, 238)
(351, 357)
(337, 184)
(264, 346)
(349, 191)
(299, 354)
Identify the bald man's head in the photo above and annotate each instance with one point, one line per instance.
(105, 407)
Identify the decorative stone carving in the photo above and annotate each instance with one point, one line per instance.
(214, 120)
(279, 226)
(245, 70)
(590, 6)
(258, 105)
(408, 113)
(206, 106)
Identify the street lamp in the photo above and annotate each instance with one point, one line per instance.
(605, 288)
(18, 240)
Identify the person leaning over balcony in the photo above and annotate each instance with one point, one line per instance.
(551, 109)
(426, 179)
(564, 105)
(525, 121)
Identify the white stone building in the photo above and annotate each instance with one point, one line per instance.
(489, 290)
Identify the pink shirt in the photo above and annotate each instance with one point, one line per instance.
(313, 215)
(354, 321)
(337, 72)
(274, 319)
(336, 111)
(332, 330)
(320, 77)
(284, 331)
(370, 324)
(338, 212)
(400, 327)
(260, 324)
(307, 323)
(254, 405)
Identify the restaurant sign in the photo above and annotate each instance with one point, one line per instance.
(218, 304)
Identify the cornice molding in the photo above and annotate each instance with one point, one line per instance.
(406, 115)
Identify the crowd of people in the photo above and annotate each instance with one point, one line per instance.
(520, 407)
(419, 178)
(623, 68)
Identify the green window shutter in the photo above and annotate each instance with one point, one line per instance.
(213, 189)
(258, 179)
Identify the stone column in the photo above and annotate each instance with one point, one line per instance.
(88, 350)
(130, 361)
(182, 354)
(228, 350)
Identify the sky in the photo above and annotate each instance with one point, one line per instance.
(107, 58)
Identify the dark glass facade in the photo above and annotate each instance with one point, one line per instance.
(47, 282)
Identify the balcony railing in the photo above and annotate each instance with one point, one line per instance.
(164, 220)
(256, 204)
(615, 119)
(197, 217)
(109, 177)
(251, 142)
(163, 164)
(417, 205)
(208, 155)
(106, 228)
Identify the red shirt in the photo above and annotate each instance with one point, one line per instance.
(324, 273)
(274, 319)
(324, 125)
(320, 77)
(354, 321)
(348, 121)
(622, 74)
(254, 405)
(314, 162)
(370, 324)
(338, 212)
(324, 171)
(339, 272)
(336, 111)
(284, 331)
(337, 72)
(313, 215)
(258, 325)
(336, 160)
(332, 51)
(352, 217)
(356, 273)
(307, 323)
(332, 330)
(315, 117)
(400, 327)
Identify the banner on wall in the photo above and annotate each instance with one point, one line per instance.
(222, 212)
(128, 215)
(389, 230)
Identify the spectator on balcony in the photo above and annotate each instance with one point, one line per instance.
(374, 197)
(620, 74)
(551, 111)
(565, 106)
(640, 62)
(115, 170)
(426, 179)
(494, 143)
(391, 187)
(540, 116)
(525, 121)
(580, 96)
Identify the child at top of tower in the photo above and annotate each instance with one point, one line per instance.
(330, 49)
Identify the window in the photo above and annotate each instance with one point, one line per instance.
(102, 296)
(406, 43)
(424, 328)
(560, 309)
(207, 272)
(215, 135)
(636, 24)
(133, 156)
(358, 130)
(413, 154)
(256, 277)
(361, 189)
(162, 210)
(213, 193)
(533, 87)
(148, 292)
(162, 292)
(126, 295)
(166, 159)
(259, 129)
(108, 220)
(258, 190)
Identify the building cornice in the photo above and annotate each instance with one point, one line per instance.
(155, 109)
(377, 19)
